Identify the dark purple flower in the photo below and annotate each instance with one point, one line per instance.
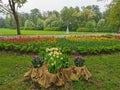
(79, 61)
(35, 57)
(78, 58)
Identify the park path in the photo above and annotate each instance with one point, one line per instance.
(58, 36)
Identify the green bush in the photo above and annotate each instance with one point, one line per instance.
(80, 29)
(93, 29)
(52, 29)
(29, 28)
(21, 28)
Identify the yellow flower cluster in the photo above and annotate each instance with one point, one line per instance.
(55, 59)
(54, 55)
(79, 38)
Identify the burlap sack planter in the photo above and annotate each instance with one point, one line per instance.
(46, 79)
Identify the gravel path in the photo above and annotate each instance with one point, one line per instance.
(58, 36)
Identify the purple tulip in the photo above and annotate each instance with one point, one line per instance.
(78, 58)
(35, 57)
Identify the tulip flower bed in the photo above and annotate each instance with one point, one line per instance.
(70, 44)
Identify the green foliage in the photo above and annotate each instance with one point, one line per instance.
(52, 29)
(82, 29)
(101, 24)
(50, 19)
(96, 10)
(114, 16)
(87, 14)
(79, 61)
(40, 24)
(29, 25)
(37, 61)
(91, 24)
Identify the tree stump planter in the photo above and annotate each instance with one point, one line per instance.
(46, 79)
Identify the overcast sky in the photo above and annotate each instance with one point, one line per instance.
(44, 5)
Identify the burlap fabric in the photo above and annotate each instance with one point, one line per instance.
(46, 79)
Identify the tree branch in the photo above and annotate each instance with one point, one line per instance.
(4, 8)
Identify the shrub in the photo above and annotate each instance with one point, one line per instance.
(82, 29)
(52, 29)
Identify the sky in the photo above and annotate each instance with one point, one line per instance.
(49, 5)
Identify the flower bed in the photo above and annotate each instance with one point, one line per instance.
(83, 44)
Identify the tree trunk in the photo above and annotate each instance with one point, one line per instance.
(17, 23)
(15, 14)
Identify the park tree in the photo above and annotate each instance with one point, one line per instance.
(10, 22)
(91, 25)
(2, 22)
(22, 18)
(96, 10)
(11, 8)
(40, 24)
(101, 24)
(114, 15)
(66, 15)
(34, 15)
(29, 25)
(87, 14)
(52, 17)
(70, 17)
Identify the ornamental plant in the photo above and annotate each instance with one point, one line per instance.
(79, 61)
(55, 59)
(37, 61)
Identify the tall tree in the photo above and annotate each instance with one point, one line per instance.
(96, 10)
(50, 19)
(86, 15)
(34, 15)
(11, 8)
(23, 17)
(69, 16)
(114, 15)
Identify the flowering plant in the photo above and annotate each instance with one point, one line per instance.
(79, 61)
(56, 59)
(37, 61)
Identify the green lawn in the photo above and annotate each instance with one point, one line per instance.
(40, 32)
(105, 71)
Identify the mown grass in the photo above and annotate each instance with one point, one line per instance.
(4, 32)
(105, 71)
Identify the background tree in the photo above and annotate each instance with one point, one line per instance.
(22, 18)
(2, 22)
(11, 8)
(87, 14)
(96, 10)
(101, 24)
(40, 24)
(35, 14)
(10, 22)
(29, 25)
(52, 17)
(114, 15)
(70, 17)
(66, 16)
(91, 25)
